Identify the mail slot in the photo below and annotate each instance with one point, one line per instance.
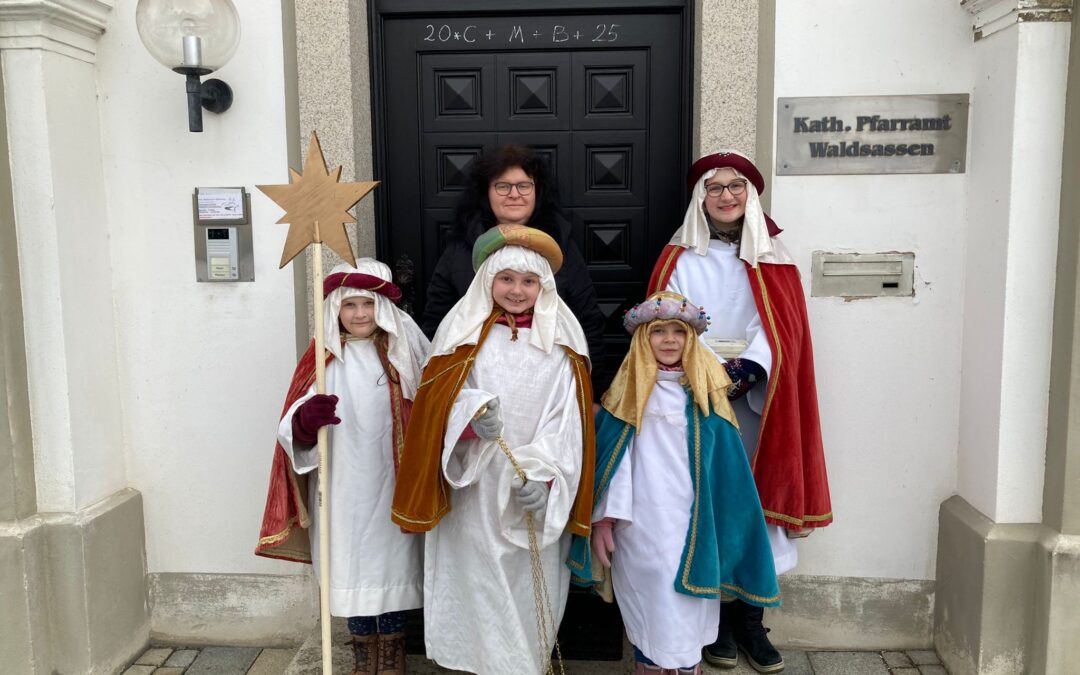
(862, 275)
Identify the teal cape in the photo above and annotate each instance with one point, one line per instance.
(727, 549)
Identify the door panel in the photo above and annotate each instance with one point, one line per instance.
(610, 90)
(458, 92)
(446, 158)
(610, 168)
(533, 91)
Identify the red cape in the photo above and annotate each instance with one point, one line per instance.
(789, 464)
(286, 515)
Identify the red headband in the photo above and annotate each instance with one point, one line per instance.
(741, 164)
(729, 160)
(363, 282)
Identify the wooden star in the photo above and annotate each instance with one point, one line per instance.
(317, 206)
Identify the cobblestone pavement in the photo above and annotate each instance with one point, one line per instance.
(306, 660)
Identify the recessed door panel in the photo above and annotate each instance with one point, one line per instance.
(533, 91)
(610, 90)
(458, 92)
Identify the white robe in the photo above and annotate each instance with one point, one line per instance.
(479, 611)
(717, 283)
(651, 495)
(374, 566)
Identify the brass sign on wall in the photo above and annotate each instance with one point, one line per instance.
(871, 134)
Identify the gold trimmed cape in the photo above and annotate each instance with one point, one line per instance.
(422, 495)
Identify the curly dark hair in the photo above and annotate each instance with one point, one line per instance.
(473, 215)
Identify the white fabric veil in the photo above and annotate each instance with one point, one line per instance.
(408, 346)
(756, 247)
(553, 322)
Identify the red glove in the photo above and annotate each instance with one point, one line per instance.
(316, 412)
(603, 541)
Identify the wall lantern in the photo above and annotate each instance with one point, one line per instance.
(193, 38)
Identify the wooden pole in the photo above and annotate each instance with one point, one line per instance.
(324, 473)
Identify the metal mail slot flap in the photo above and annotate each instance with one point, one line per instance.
(862, 275)
(856, 269)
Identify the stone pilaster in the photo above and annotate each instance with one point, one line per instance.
(72, 559)
(726, 76)
(1007, 568)
(1054, 646)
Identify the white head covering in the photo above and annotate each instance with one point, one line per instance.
(553, 322)
(756, 244)
(407, 345)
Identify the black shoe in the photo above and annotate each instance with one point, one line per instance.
(752, 638)
(724, 653)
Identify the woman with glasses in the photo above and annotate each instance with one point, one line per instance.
(728, 257)
(511, 184)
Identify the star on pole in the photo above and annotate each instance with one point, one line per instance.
(317, 206)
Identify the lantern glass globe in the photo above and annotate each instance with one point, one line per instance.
(189, 35)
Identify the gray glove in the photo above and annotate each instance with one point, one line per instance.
(532, 496)
(488, 424)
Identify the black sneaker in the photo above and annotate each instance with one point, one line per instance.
(753, 640)
(724, 653)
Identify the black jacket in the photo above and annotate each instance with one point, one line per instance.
(453, 274)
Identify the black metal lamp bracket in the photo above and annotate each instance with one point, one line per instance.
(214, 95)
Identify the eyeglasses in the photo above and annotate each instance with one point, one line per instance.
(524, 188)
(735, 187)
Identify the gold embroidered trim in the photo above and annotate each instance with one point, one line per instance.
(660, 280)
(750, 596)
(272, 539)
(694, 514)
(428, 521)
(615, 453)
(271, 553)
(799, 521)
(447, 370)
(399, 427)
(778, 358)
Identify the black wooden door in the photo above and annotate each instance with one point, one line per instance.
(602, 89)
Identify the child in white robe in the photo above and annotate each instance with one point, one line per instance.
(509, 363)
(375, 356)
(677, 519)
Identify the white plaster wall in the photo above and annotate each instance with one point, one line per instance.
(204, 366)
(888, 369)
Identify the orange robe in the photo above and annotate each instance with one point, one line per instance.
(422, 495)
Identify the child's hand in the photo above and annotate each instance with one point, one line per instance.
(488, 424)
(744, 374)
(603, 541)
(532, 496)
(316, 412)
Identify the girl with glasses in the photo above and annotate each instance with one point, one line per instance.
(727, 256)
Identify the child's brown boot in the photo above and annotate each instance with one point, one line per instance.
(392, 653)
(365, 654)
